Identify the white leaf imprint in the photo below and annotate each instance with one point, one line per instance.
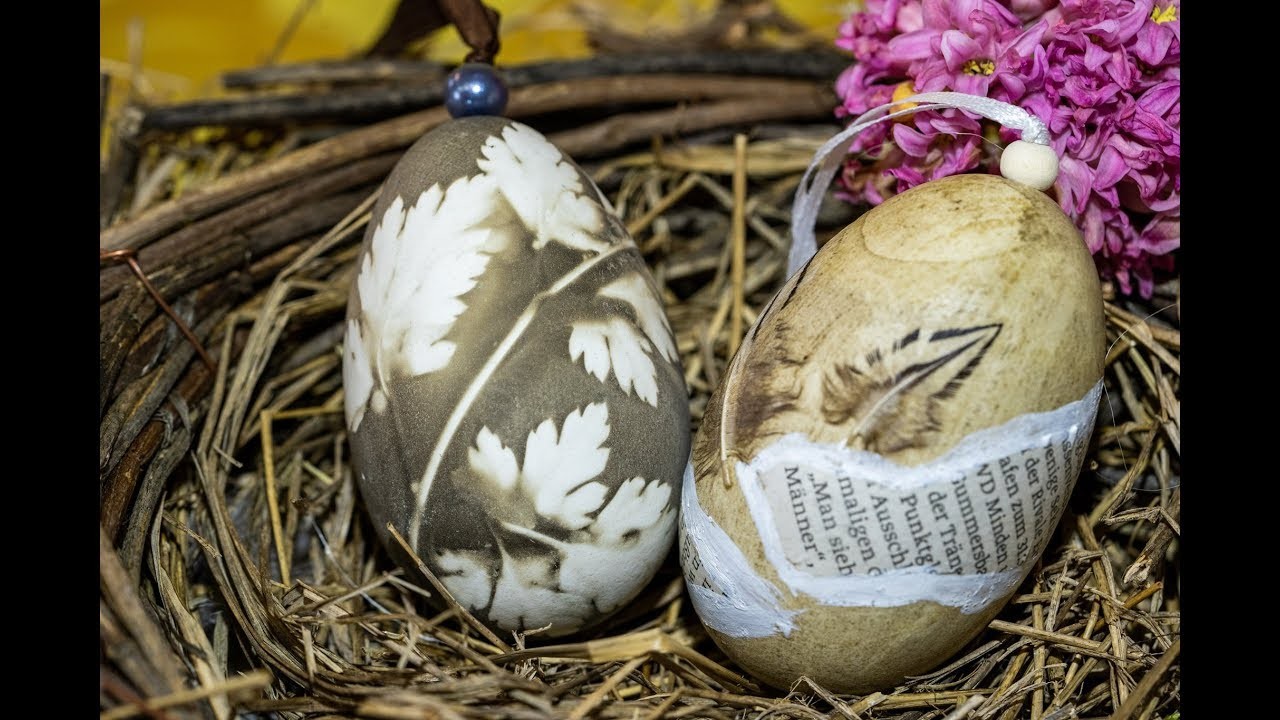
(635, 290)
(467, 577)
(493, 461)
(636, 505)
(543, 188)
(422, 489)
(632, 534)
(357, 375)
(606, 570)
(527, 596)
(605, 559)
(420, 263)
(559, 468)
(627, 542)
(616, 345)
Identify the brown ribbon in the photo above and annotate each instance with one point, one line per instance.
(476, 22)
(478, 25)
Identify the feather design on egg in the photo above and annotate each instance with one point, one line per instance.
(514, 394)
(892, 397)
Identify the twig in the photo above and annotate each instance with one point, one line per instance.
(128, 256)
(1104, 580)
(273, 502)
(822, 65)
(122, 159)
(584, 708)
(104, 93)
(462, 611)
(835, 702)
(120, 595)
(1039, 657)
(250, 230)
(902, 701)
(115, 687)
(139, 400)
(401, 131)
(251, 681)
(149, 183)
(665, 705)
(1117, 493)
(1153, 552)
(376, 103)
(1148, 683)
(1070, 641)
(198, 650)
(291, 27)
(739, 240)
(1166, 336)
(616, 132)
(334, 72)
(966, 709)
(635, 226)
(1143, 594)
(1010, 676)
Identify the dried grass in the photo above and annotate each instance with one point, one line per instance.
(247, 540)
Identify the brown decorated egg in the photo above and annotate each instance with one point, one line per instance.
(893, 445)
(514, 397)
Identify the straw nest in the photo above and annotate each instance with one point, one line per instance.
(239, 574)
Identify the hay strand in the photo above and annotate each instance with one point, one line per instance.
(444, 592)
(739, 241)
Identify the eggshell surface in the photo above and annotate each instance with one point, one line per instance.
(514, 397)
(895, 441)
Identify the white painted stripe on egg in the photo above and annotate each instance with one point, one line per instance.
(992, 488)
(727, 593)
(968, 477)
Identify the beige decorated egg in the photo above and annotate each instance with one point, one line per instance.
(894, 443)
(514, 397)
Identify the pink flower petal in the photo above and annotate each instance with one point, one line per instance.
(1161, 98)
(1152, 44)
(1095, 56)
(1074, 180)
(936, 14)
(908, 177)
(1029, 41)
(1119, 29)
(1111, 167)
(957, 157)
(1163, 234)
(958, 48)
(910, 18)
(951, 122)
(912, 141)
(1101, 74)
(1092, 226)
(1029, 9)
(932, 77)
(963, 14)
(917, 45)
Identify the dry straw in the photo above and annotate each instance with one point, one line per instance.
(240, 576)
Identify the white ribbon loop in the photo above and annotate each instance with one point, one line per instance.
(826, 162)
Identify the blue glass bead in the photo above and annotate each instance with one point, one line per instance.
(474, 89)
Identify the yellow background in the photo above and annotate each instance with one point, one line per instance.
(182, 45)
